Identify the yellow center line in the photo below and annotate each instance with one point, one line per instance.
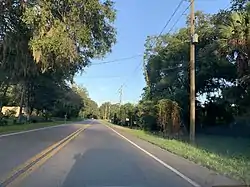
(29, 166)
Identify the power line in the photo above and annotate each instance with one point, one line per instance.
(118, 60)
(179, 18)
(131, 76)
(227, 7)
(171, 17)
(120, 90)
(169, 20)
(139, 55)
(118, 76)
(173, 68)
(183, 13)
(135, 56)
(103, 77)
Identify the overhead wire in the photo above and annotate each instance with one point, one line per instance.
(165, 26)
(139, 55)
(103, 77)
(179, 18)
(117, 60)
(171, 17)
(227, 7)
(163, 29)
(131, 75)
(170, 30)
(173, 26)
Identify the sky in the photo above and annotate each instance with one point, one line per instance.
(136, 19)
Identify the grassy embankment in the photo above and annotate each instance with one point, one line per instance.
(228, 156)
(10, 128)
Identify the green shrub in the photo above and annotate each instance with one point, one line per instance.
(37, 119)
(3, 122)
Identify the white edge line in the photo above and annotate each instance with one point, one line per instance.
(193, 183)
(34, 130)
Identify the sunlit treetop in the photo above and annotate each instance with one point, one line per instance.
(69, 31)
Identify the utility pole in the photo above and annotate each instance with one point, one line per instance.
(120, 102)
(105, 111)
(109, 112)
(192, 72)
(120, 92)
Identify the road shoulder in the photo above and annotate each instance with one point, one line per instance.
(32, 127)
(197, 173)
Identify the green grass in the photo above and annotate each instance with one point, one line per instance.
(29, 126)
(227, 156)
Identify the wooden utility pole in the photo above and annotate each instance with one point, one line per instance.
(120, 102)
(120, 92)
(105, 112)
(192, 72)
(109, 111)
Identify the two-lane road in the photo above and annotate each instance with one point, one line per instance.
(18, 148)
(96, 157)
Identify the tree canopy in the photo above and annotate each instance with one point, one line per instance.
(222, 74)
(222, 68)
(44, 44)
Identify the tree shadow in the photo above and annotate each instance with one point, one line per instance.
(99, 167)
(226, 146)
(222, 145)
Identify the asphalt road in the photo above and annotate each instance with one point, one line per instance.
(16, 149)
(99, 157)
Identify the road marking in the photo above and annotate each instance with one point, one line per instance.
(193, 183)
(34, 130)
(19, 173)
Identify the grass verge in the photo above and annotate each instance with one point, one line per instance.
(30, 126)
(236, 166)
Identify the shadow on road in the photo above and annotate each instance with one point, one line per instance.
(99, 167)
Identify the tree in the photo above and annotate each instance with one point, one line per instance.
(69, 33)
(44, 44)
(127, 112)
(167, 59)
(115, 113)
(239, 5)
(105, 110)
(234, 33)
(168, 113)
(147, 114)
(16, 59)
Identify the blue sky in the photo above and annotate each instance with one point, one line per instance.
(136, 19)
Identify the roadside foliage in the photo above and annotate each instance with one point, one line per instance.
(43, 45)
(222, 92)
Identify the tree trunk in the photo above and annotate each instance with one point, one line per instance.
(28, 107)
(1, 106)
(21, 105)
(4, 95)
(131, 121)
